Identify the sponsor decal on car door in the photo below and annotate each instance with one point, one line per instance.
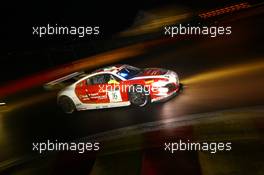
(113, 91)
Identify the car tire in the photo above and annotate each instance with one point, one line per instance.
(139, 98)
(66, 105)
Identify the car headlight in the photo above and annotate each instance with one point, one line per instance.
(159, 83)
(174, 79)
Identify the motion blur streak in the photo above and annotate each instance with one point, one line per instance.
(91, 62)
(155, 24)
(27, 101)
(150, 21)
(224, 72)
(86, 63)
(225, 10)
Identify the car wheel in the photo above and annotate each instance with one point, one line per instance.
(66, 104)
(139, 96)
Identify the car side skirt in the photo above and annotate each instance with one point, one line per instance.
(84, 106)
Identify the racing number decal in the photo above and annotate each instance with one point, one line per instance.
(114, 95)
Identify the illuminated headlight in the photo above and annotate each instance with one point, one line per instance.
(174, 78)
(177, 80)
(163, 91)
(159, 84)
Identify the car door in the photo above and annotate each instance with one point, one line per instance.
(100, 88)
(96, 88)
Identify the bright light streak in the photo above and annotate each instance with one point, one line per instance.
(224, 10)
(155, 25)
(150, 21)
(225, 72)
(90, 62)
(28, 101)
(82, 64)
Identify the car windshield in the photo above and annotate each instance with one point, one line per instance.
(129, 72)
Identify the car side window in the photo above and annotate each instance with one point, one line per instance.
(98, 79)
(102, 79)
(88, 81)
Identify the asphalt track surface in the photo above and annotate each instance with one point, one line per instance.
(217, 73)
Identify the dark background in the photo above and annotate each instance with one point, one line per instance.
(33, 115)
(23, 53)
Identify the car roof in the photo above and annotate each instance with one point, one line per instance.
(112, 69)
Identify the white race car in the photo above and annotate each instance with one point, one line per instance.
(115, 86)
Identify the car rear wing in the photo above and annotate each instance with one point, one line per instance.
(53, 84)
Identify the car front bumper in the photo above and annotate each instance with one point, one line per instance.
(169, 95)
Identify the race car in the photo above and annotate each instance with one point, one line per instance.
(116, 86)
